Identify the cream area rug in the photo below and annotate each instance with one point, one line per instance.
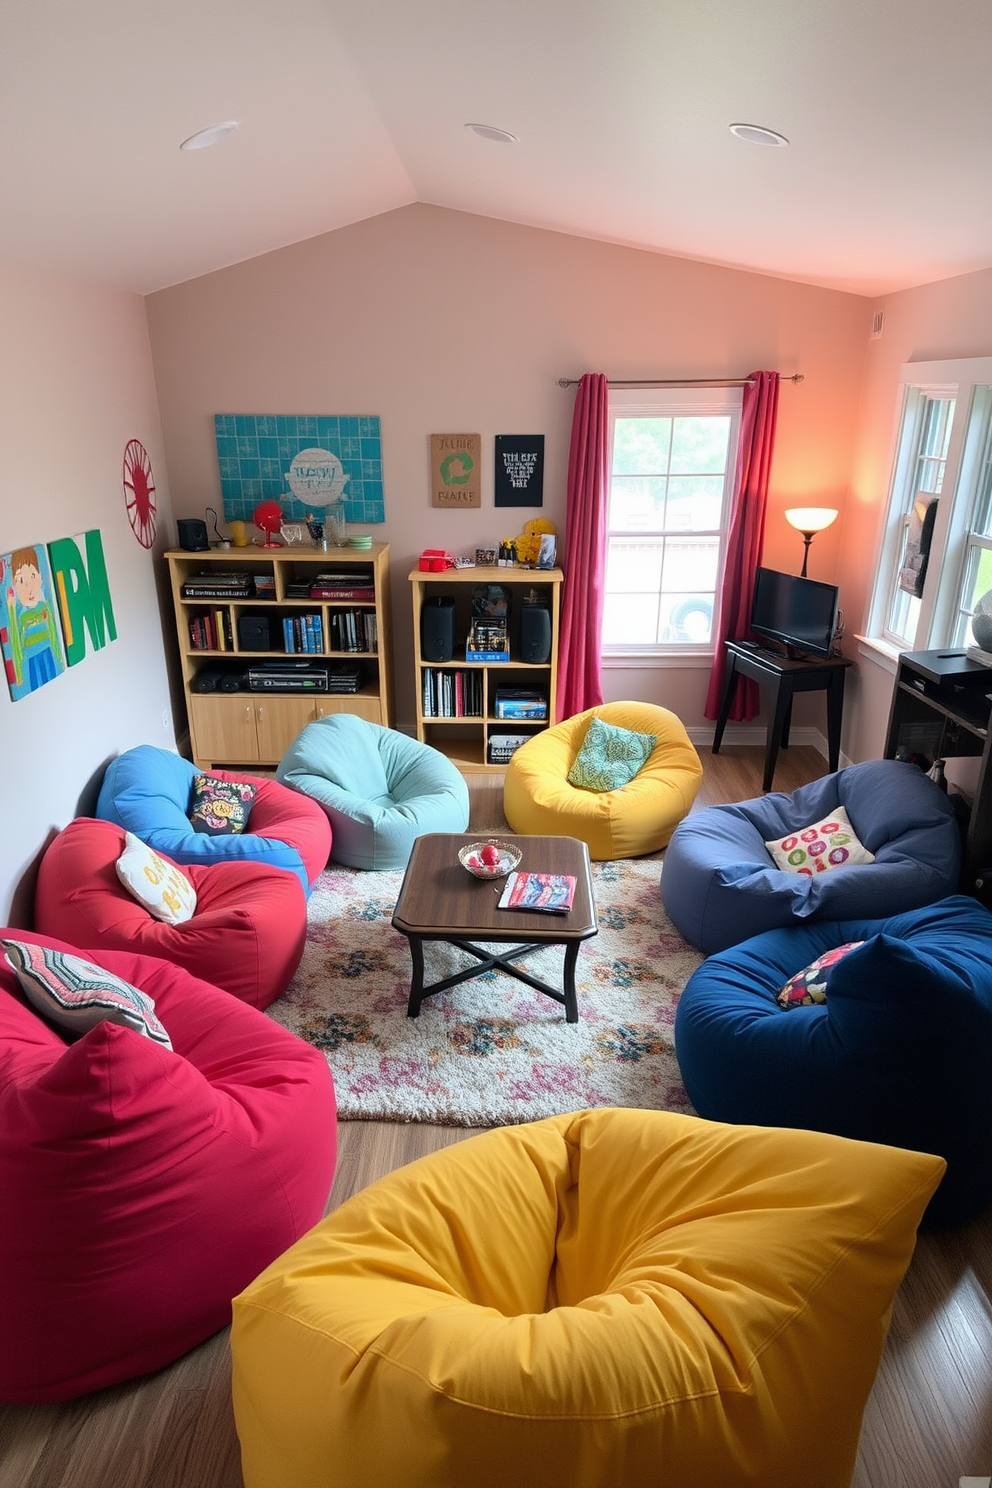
(490, 1051)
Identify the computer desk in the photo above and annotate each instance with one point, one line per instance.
(784, 676)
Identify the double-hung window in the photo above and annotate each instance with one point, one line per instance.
(935, 554)
(671, 468)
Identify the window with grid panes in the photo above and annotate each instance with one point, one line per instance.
(943, 452)
(672, 455)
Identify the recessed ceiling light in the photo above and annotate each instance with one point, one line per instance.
(204, 138)
(756, 134)
(490, 132)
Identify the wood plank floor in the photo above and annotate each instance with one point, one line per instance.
(928, 1422)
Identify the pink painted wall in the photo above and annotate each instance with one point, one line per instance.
(952, 318)
(75, 385)
(441, 321)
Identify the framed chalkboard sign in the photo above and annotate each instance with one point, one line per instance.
(519, 469)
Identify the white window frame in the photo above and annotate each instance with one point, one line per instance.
(943, 616)
(678, 402)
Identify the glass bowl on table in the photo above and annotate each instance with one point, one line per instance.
(489, 859)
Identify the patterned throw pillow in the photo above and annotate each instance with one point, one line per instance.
(831, 843)
(159, 886)
(610, 756)
(220, 807)
(809, 986)
(75, 995)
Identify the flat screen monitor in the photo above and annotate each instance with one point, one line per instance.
(799, 613)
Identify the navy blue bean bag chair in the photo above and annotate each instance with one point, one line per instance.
(720, 884)
(899, 1051)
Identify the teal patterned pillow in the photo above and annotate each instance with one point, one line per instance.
(75, 995)
(610, 756)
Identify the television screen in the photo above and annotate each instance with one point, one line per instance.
(797, 612)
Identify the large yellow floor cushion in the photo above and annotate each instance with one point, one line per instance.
(611, 1298)
(636, 818)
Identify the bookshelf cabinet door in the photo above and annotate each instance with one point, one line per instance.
(223, 728)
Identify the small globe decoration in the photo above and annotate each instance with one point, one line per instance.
(981, 622)
(267, 517)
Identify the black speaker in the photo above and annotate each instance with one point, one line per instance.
(437, 629)
(535, 633)
(192, 535)
(253, 633)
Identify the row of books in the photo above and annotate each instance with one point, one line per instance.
(303, 633)
(353, 630)
(451, 694)
(211, 632)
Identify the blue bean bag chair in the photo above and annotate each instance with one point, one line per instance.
(148, 791)
(380, 788)
(899, 1051)
(720, 884)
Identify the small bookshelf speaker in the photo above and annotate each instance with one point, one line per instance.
(535, 633)
(437, 628)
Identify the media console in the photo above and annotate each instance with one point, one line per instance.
(941, 708)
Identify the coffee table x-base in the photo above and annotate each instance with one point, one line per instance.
(440, 900)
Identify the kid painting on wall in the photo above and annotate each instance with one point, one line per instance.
(32, 645)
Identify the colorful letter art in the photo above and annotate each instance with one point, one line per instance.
(29, 629)
(51, 599)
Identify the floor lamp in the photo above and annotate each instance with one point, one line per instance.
(809, 520)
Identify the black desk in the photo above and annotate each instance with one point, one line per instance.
(785, 677)
(942, 708)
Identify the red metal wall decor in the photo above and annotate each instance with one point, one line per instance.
(139, 492)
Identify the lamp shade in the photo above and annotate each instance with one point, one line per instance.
(810, 518)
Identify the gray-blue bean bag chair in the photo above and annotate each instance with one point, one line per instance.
(381, 789)
(720, 884)
(898, 1051)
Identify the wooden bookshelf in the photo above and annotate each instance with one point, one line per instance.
(467, 738)
(236, 724)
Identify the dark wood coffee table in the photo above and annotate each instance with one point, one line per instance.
(441, 900)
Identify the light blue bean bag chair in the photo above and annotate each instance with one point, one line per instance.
(720, 885)
(381, 789)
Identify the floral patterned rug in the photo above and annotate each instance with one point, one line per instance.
(491, 1051)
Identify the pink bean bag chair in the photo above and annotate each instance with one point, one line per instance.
(143, 1186)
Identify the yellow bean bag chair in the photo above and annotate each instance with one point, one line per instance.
(638, 818)
(609, 1299)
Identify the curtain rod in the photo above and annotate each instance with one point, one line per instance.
(714, 382)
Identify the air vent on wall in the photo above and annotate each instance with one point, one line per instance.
(876, 325)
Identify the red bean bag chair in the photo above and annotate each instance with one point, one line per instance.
(246, 934)
(143, 1186)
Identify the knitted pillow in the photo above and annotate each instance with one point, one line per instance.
(75, 995)
(610, 756)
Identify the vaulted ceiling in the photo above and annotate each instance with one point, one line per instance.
(620, 108)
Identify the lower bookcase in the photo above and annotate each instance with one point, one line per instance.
(477, 711)
(271, 639)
